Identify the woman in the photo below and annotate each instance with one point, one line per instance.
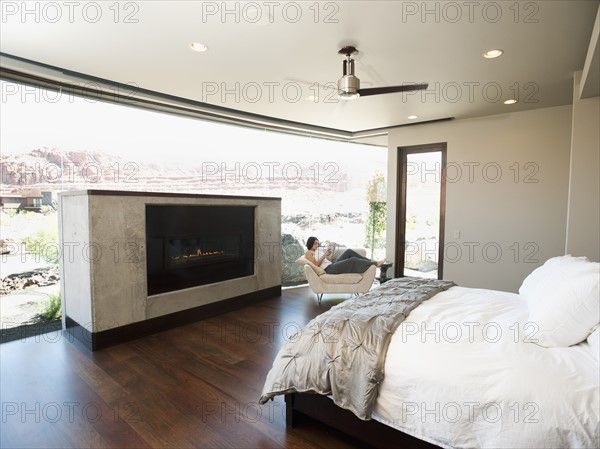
(349, 262)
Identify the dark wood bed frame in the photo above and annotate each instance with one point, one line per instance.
(322, 409)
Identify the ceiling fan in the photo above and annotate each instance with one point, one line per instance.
(349, 84)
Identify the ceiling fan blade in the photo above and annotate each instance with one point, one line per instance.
(391, 89)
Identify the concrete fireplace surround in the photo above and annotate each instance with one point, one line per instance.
(103, 266)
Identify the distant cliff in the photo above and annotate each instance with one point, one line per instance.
(54, 170)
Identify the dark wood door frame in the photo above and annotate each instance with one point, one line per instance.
(401, 203)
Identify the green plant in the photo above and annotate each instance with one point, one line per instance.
(376, 225)
(45, 209)
(51, 309)
(376, 219)
(43, 243)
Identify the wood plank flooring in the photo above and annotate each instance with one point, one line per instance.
(194, 386)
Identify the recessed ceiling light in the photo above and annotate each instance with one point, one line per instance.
(511, 101)
(198, 46)
(412, 117)
(490, 54)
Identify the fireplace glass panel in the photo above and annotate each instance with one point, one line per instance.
(187, 246)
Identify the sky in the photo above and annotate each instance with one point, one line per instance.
(33, 118)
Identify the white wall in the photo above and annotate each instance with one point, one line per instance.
(508, 226)
(583, 224)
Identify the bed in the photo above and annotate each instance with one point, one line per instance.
(461, 368)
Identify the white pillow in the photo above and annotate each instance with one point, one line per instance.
(563, 300)
(594, 342)
(304, 261)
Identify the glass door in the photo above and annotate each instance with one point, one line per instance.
(421, 199)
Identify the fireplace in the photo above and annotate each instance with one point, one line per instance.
(187, 246)
(190, 245)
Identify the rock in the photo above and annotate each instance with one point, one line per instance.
(29, 282)
(8, 246)
(428, 265)
(291, 272)
(18, 281)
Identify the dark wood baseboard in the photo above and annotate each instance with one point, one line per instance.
(323, 409)
(110, 337)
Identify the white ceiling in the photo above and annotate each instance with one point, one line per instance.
(544, 43)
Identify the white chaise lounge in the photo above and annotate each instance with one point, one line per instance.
(321, 282)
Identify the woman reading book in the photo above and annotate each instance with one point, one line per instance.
(348, 262)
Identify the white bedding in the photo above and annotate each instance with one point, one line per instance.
(482, 384)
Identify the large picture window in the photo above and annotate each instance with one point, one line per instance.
(53, 142)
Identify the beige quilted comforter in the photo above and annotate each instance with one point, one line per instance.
(342, 351)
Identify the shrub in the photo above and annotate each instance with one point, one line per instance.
(10, 212)
(44, 243)
(51, 309)
(377, 216)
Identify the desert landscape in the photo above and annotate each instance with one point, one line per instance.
(326, 199)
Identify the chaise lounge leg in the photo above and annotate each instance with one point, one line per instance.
(319, 297)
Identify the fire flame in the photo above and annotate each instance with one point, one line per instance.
(198, 253)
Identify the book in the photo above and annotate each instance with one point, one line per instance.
(332, 246)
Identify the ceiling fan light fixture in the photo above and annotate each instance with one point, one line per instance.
(348, 95)
(491, 54)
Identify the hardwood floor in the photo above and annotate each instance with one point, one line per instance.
(193, 386)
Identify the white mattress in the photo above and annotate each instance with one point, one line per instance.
(487, 387)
